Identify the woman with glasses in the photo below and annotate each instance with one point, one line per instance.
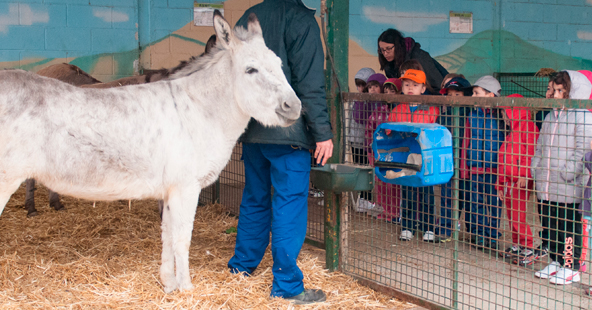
(394, 50)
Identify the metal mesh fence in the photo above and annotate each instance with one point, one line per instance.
(525, 84)
(505, 233)
(228, 191)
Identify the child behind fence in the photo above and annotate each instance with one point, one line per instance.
(557, 169)
(388, 196)
(456, 86)
(361, 112)
(483, 136)
(416, 198)
(514, 182)
(355, 135)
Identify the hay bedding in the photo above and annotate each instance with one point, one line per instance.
(108, 257)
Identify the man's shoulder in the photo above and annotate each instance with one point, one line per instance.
(290, 10)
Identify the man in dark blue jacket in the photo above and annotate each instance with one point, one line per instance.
(280, 157)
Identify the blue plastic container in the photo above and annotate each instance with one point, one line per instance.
(392, 151)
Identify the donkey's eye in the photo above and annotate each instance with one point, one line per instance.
(252, 70)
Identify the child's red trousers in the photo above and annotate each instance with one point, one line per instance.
(516, 200)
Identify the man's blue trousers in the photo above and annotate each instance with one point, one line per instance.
(284, 214)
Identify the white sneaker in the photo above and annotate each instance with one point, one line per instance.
(406, 235)
(361, 206)
(374, 209)
(565, 276)
(548, 271)
(429, 236)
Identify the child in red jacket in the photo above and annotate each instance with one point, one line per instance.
(514, 180)
(416, 198)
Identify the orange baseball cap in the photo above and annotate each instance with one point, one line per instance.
(415, 75)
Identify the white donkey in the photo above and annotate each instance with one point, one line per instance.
(165, 140)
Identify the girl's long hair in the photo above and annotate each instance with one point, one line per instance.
(395, 37)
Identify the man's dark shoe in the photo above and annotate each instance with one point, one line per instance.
(308, 297)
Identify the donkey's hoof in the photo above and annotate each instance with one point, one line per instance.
(186, 287)
(58, 207)
(32, 214)
(170, 288)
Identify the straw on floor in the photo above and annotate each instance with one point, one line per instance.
(108, 257)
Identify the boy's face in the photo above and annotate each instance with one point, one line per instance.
(412, 88)
(455, 93)
(374, 89)
(559, 91)
(480, 92)
(361, 88)
(550, 90)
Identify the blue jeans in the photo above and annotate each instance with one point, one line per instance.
(284, 214)
(445, 227)
(485, 206)
(417, 208)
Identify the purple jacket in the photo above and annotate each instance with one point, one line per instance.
(585, 206)
(362, 110)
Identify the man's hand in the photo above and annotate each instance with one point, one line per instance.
(324, 151)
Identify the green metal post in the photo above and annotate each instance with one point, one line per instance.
(332, 229)
(337, 45)
(455, 196)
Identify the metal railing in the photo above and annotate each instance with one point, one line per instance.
(463, 264)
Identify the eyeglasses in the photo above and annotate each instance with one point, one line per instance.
(386, 49)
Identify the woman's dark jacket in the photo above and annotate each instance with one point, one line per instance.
(433, 69)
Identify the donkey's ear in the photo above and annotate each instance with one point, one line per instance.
(254, 26)
(224, 34)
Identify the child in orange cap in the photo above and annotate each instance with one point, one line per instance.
(416, 198)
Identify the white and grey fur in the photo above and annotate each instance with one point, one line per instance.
(165, 140)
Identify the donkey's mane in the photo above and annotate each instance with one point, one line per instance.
(194, 64)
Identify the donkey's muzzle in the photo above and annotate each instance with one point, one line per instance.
(290, 110)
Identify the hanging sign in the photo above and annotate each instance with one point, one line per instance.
(461, 22)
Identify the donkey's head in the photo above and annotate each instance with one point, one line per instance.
(260, 86)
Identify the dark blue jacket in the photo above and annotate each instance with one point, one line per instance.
(486, 137)
(291, 31)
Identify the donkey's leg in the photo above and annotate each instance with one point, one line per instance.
(177, 226)
(30, 198)
(167, 267)
(54, 200)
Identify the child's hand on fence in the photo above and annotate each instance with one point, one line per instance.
(501, 192)
(521, 182)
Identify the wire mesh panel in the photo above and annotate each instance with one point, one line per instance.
(232, 182)
(525, 84)
(228, 190)
(506, 232)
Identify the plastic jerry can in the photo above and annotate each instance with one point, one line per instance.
(413, 154)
